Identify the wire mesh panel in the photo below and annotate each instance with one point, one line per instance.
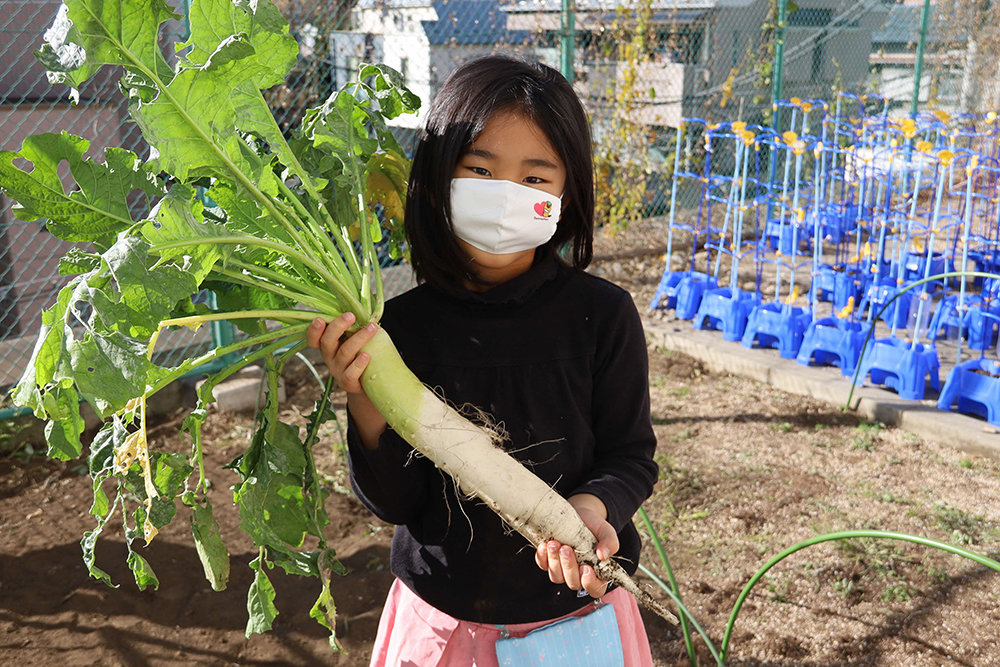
(640, 67)
(29, 277)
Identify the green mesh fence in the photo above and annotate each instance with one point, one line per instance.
(640, 67)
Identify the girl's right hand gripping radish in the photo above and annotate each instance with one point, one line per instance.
(343, 356)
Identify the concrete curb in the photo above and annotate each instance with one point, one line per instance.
(244, 391)
(825, 383)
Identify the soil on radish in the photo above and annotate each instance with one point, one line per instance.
(745, 472)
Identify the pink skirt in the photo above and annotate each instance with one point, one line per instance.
(415, 634)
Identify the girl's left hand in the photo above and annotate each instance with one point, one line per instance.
(559, 560)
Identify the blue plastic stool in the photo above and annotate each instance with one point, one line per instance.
(976, 394)
(777, 325)
(913, 267)
(847, 284)
(896, 315)
(832, 341)
(901, 365)
(833, 227)
(774, 237)
(848, 218)
(683, 291)
(836, 227)
(986, 262)
(981, 324)
(946, 321)
(724, 309)
(825, 282)
(978, 324)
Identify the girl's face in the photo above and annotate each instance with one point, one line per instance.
(510, 148)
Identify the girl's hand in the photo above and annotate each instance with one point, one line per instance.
(342, 355)
(559, 560)
(346, 363)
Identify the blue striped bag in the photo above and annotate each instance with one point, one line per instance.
(578, 641)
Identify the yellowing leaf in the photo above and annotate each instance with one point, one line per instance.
(382, 190)
(126, 453)
(727, 89)
(386, 184)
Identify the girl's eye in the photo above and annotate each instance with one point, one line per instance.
(479, 171)
(533, 180)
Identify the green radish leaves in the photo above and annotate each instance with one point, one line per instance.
(260, 599)
(87, 34)
(98, 209)
(281, 228)
(211, 550)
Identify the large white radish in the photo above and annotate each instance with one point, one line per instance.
(480, 468)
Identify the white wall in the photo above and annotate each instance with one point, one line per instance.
(391, 36)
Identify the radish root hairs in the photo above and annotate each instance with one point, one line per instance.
(470, 455)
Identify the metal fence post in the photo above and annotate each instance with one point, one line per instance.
(918, 73)
(777, 79)
(567, 39)
(778, 73)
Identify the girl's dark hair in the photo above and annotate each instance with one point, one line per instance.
(469, 98)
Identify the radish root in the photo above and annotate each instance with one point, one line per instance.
(471, 455)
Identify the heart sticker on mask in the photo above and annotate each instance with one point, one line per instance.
(543, 208)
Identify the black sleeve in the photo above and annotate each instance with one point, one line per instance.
(390, 480)
(624, 471)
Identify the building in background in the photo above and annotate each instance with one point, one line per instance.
(957, 78)
(709, 50)
(422, 39)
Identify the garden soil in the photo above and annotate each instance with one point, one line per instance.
(745, 471)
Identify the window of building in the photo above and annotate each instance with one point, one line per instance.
(681, 44)
(810, 18)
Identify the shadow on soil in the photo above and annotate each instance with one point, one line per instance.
(54, 581)
(794, 420)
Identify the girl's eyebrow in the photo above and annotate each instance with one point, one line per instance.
(529, 162)
(481, 152)
(539, 162)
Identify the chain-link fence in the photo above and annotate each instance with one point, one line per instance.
(639, 66)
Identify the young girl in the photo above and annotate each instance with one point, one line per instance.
(500, 191)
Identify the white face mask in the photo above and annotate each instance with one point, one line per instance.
(501, 217)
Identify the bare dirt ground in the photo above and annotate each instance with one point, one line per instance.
(746, 471)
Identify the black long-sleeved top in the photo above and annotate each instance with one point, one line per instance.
(558, 357)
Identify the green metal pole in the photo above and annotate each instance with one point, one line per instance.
(777, 80)
(13, 413)
(778, 74)
(918, 73)
(567, 38)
